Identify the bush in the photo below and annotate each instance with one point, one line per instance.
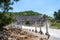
(5, 19)
(27, 22)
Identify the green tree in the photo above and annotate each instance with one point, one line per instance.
(5, 19)
(57, 15)
(5, 6)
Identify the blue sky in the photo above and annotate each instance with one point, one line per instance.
(42, 6)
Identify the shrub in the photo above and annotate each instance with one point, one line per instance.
(27, 22)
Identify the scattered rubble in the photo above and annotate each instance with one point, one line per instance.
(17, 34)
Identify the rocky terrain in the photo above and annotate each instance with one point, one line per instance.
(20, 34)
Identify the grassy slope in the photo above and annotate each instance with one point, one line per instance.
(56, 25)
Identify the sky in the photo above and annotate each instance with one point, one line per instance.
(42, 6)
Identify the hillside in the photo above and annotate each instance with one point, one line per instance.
(27, 13)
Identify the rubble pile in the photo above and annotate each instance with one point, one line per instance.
(17, 34)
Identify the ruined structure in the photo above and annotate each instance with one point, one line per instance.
(31, 19)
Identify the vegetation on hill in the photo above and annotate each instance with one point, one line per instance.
(26, 13)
